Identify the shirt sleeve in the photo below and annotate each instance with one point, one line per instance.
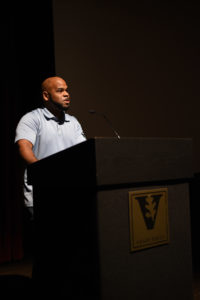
(27, 128)
(79, 134)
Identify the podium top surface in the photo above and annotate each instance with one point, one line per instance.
(111, 161)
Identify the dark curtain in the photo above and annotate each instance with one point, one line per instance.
(27, 58)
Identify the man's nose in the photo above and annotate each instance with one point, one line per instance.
(66, 94)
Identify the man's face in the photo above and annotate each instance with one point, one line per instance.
(58, 94)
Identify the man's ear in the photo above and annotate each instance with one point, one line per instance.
(45, 95)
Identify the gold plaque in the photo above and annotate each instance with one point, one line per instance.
(148, 211)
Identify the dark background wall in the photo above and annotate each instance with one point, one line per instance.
(27, 57)
(136, 61)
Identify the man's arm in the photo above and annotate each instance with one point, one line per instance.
(25, 150)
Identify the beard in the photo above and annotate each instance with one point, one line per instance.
(58, 106)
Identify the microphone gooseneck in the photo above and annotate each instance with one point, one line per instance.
(92, 111)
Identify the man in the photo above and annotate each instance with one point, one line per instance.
(45, 131)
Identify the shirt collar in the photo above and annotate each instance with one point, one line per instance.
(49, 116)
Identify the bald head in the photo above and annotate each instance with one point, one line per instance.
(51, 82)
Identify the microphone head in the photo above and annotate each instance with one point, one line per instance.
(92, 111)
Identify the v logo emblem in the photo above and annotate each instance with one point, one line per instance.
(149, 208)
(148, 213)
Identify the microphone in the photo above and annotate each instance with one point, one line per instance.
(92, 111)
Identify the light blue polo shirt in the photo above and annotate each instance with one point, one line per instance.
(48, 136)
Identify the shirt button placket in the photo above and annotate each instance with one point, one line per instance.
(58, 129)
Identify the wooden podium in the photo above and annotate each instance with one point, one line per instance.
(93, 204)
